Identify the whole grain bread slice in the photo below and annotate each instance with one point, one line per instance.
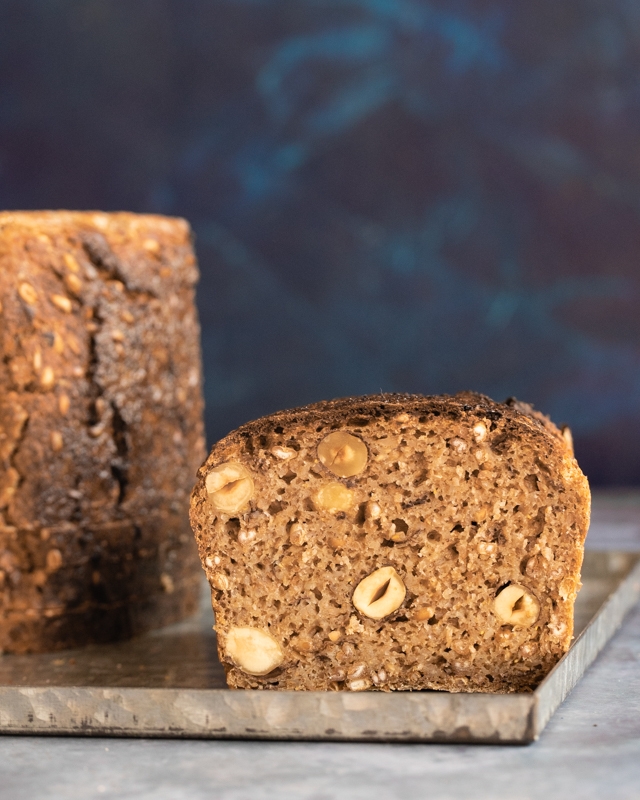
(393, 542)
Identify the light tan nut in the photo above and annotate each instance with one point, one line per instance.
(28, 294)
(73, 283)
(64, 403)
(357, 671)
(47, 379)
(37, 360)
(458, 445)
(372, 510)
(167, 583)
(567, 436)
(54, 560)
(284, 453)
(567, 588)
(337, 543)
(343, 454)
(479, 432)
(57, 442)
(74, 344)
(244, 537)
(334, 497)
(360, 685)
(303, 644)
(71, 263)
(335, 636)
(220, 582)
(516, 606)
(230, 487)
(117, 335)
(487, 548)
(528, 650)
(297, 534)
(422, 614)
(61, 302)
(152, 245)
(380, 593)
(58, 343)
(97, 430)
(379, 677)
(254, 651)
(39, 577)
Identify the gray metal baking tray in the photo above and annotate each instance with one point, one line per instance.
(169, 683)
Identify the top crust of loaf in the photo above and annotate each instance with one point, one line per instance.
(519, 416)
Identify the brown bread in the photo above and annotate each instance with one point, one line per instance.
(100, 425)
(393, 542)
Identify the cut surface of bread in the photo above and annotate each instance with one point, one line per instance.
(101, 427)
(393, 542)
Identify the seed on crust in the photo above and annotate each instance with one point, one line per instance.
(28, 293)
(61, 302)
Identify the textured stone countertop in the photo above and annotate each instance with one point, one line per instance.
(590, 749)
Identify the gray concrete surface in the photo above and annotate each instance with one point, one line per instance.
(590, 749)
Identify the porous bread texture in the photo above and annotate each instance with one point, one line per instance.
(100, 424)
(450, 560)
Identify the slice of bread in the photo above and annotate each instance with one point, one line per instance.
(393, 542)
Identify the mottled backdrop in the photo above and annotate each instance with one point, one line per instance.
(386, 194)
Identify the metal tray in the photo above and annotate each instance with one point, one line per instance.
(170, 684)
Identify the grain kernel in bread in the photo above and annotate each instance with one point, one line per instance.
(448, 558)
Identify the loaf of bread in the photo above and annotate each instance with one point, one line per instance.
(393, 542)
(100, 426)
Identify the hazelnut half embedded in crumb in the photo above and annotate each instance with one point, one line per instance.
(254, 651)
(230, 487)
(343, 454)
(334, 497)
(380, 593)
(514, 605)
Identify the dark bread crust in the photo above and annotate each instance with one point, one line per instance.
(516, 416)
(520, 516)
(101, 419)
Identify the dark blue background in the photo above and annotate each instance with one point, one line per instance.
(387, 194)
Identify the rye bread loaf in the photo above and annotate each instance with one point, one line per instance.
(393, 542)
(100, 426)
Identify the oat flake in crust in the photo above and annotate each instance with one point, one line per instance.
(100, 426)
(393, 542)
